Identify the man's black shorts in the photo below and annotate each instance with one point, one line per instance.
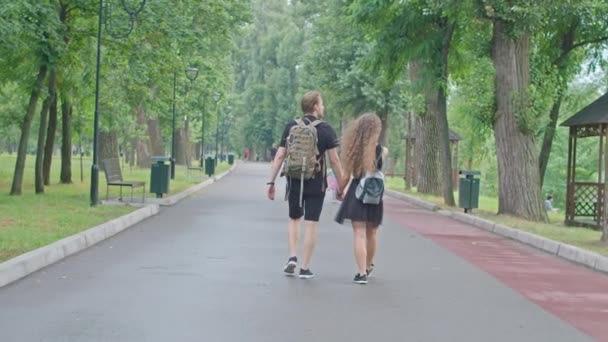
(312, 205)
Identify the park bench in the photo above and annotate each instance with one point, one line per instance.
(111, 168)
(191, 167)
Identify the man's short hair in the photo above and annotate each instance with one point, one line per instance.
(309, 100)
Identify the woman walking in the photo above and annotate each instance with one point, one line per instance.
(361, 156)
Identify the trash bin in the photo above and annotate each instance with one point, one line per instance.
(160, 175)
(231, 158)
(468, 190)
(209, 166)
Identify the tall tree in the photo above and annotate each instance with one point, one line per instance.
(572, 32)
(518, 176)
(49, 144)
(25, 132)
(48, 102)
(419, 31)
(66, 140)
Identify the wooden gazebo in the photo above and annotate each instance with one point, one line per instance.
(410, 157)
(586, 200)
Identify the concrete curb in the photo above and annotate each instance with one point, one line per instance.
(565, 251)
(172, 200)
(413, 200)
(24, 264)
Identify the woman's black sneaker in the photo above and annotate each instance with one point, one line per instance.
(290, 267)
(306, 274)
(360, 279)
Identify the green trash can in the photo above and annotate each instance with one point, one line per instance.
(468, 190)
(209, 166)
(160, 175)
(231, 158)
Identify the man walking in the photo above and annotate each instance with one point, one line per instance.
(303, 147)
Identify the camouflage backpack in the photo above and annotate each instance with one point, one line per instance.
(301, 161)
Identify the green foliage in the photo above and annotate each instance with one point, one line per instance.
(266, 63)
(136, 70)
(262, 55)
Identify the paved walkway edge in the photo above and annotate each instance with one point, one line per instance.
(571, 253)
(172, 200)
(24, 264)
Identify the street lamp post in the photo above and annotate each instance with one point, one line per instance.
(173, 127)
(94, 193)
(191, 74)
(202, 136)
(217, 97)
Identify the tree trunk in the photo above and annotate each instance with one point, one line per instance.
(181, 146)
(408, 153)
(427, 155)
(567, 44)
(426, 146)
(197, 151)
(143, 156)
(50, 138)
(38, 170)
(131, 152)
(518, 175)
(441, 83)
(108, 145)
(545, 151)
(38, 176)
(25, 132)
(128, 151)
(391, 167)
(66, 140)
(438, 136)
(383, 114)
(156, 141)
(141, 145)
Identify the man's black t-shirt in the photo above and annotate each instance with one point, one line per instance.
(327, 140)
(273, 153)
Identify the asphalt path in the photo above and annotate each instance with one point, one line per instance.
(210, 269)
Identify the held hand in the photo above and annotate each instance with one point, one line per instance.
(340, 196)
(271, 191)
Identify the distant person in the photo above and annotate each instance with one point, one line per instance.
(303, 146)
(549, 204)
(273, 152)
(363, 157)
(246, 154)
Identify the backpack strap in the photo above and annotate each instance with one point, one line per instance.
(316, 123)
(307, 122)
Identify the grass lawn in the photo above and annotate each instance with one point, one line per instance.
(31, 221)
(488, 206)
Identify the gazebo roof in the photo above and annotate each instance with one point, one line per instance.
(453, 136)
(593, 114)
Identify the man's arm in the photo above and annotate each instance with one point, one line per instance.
(274, 170)
(336, 165)
(276, 164)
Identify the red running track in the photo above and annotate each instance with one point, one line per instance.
(571, 292)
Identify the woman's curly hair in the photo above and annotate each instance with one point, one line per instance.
(359, 142)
